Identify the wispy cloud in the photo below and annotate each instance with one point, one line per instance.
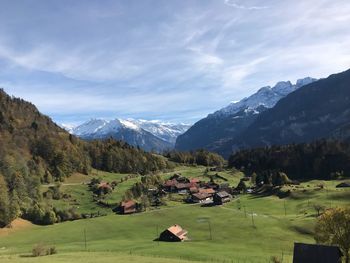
(180, 60)
(234, 3)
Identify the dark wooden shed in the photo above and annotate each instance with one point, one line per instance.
(221, 197)
(315, 253)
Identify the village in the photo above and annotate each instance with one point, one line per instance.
(192, 191)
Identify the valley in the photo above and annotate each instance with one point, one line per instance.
(268, 225)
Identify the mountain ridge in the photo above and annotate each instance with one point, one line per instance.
(149, 135)
(210, 132)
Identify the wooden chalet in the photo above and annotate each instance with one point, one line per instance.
(169, 185)
(315, 253)
(200, 197)
(128, 207)
(221, 197)
(208, 191)
(174, 233)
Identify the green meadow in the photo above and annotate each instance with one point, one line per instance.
(248, 229)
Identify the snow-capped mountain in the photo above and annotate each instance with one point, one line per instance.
(166, 131)
(266, 97)
(223, 125)
(149, 135)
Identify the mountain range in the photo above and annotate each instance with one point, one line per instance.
(285, 114)
(148, 135)
(218, 128)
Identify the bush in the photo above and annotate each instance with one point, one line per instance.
(42, 250)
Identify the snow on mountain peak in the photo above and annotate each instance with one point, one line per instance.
(165, 131)
(129, 123)
(265, 96)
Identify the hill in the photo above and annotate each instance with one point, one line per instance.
(35, 150)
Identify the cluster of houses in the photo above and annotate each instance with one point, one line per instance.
(195, 190)
(198, 191)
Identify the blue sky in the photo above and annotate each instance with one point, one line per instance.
(173, 60)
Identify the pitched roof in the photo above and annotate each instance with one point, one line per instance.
(207, 190)
(223, 194)
(182, 186)
(178, 231)
(128, 204)
(200, 196)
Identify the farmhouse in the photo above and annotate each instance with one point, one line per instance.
(127, 207)
(314, 253)
(174, 233)
(208, 191)
(200, 197)
(221, 198)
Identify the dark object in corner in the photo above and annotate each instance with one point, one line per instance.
(315, 253)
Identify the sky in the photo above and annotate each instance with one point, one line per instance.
(170, 60)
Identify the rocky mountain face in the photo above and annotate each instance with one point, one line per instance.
(222, 126)
(149, 135)
(318, 110)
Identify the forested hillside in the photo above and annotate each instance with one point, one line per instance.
(318, 160)
(320, 110)
(33, 150)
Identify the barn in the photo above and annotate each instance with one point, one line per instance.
(175, 233)
(221, 198)
(127, 207)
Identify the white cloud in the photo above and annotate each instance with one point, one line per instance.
(180, 58)
(233, 3)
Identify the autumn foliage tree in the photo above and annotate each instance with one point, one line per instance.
(333, 228)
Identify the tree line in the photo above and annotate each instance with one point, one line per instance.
(198, 157)
(323, 159)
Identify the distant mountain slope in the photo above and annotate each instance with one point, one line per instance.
(318, 110)
(223, 125)
(149, 135)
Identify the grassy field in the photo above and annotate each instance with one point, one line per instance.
(249, 229)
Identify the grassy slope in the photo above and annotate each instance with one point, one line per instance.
(129, 238)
